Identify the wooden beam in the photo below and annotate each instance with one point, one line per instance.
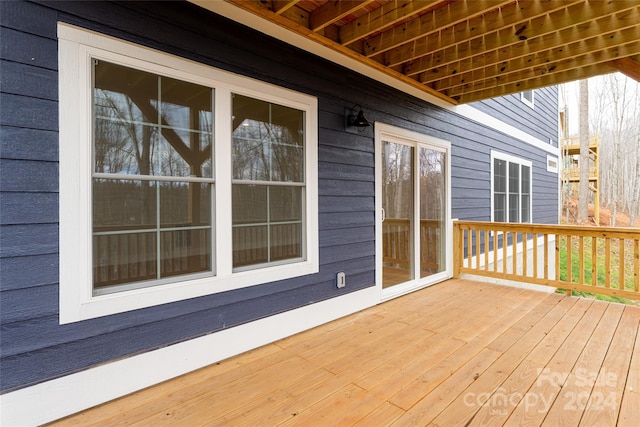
(538, 82)
(546, 60)
(527, 73)
(628, 67)
(555, 32)
(552, 60)
(430, 23)
(483, 58)
(503, 19)
(281, 6)
(334, 11)
(255, 8)
(382, 18)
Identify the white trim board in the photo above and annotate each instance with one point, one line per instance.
(52, 400)
(483, 118)
(269, 28)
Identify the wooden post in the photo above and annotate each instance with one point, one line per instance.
(457, 249)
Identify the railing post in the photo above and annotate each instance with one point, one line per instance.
(457, 249)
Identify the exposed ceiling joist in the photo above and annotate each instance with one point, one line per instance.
(532, 66)
(538, 82)
(628, 66)
(513, 15)
(281, 6)
(427, 24)
(528, 73)
(467, 50)
(387, 16)
(333, 11)
(525, 38)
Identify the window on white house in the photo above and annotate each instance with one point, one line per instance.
(177, 180)
(511, 188)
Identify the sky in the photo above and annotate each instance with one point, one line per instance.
(569, 96)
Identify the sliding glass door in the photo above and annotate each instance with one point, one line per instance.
(398, 213)
(414, 210)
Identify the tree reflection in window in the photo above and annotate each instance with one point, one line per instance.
(158, 130)
(268, 182)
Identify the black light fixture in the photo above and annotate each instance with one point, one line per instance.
(357, 120)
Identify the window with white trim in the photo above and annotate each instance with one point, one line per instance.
(510, 188)
(177, 180)
(528, 97)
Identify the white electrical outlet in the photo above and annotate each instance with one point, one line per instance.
(341, 280)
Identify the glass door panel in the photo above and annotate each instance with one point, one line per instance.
(398, 204)
(433, 209)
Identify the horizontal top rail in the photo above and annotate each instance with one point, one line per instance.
(574, 230)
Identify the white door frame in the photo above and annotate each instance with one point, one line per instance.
(385, 132)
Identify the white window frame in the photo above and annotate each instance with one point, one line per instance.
(552, 164)
(386, 132)
(76, 48)
(521, 162)
(527, 101)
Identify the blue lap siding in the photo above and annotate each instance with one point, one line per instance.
(35, 347)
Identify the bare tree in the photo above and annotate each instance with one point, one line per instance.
(614, 114)
(620, 146)
(615, 120)
(583, 187)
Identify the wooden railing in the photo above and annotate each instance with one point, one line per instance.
(572, 143)
(133, 257)
(590, 259)
(396, 233)
(573, 173)
(128, 257)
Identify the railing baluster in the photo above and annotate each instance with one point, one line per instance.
(636, 265)
(621, 262)
(456, 256)
(525, 237)
(495, 250)
(535, 255)
(469, 248)
(462, 248)
(546, 256)
(581, 258)
(477, 230)
(557, 266)
(569, 258)
(607, 262)
(594, 261)
(504, 252)
(514, 247)
(486, 250)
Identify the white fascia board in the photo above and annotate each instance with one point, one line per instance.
(274, 30)
(58, 398)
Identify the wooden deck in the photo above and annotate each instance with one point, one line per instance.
(457, 353)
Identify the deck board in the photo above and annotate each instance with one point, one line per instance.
(457, 353)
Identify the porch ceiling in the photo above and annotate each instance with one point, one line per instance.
(463, 51)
